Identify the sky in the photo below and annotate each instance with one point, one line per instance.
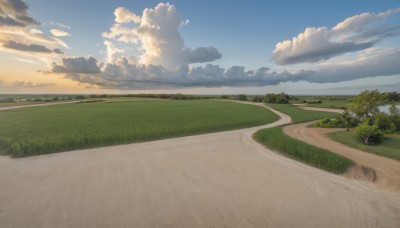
(199, 47)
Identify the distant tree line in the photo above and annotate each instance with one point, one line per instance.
(391, 96)
(281, 98)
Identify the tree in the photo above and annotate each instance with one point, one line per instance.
(392, 96)
(347, 119)
(270, 98)
(282, 98)
(366, 105)
(384, 122)
(257, 99)
(242, 97)
(394, 114)
(368, 133)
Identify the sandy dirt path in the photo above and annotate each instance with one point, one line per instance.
(36, 105)
(302, 106)
(382, 171)
(223, 179)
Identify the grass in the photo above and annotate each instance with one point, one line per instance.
(299, 115)
(340, 104)
(42, 130)
(389, 148)
(275, 139)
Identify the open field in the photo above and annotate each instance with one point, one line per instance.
(299, 115)
(41, 130)
(223, 179)
(390, 147)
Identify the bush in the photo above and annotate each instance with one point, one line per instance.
(384, 123)
(257, 99)
(242, 97)
(79, 97)
(330, 123)
(369, 133)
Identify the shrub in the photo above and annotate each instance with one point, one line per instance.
(384, 123)
(330, 123)
(242, 97)
(369, 133)
(257, 99)
(79, 97)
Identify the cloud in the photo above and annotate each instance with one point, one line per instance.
(111, 51)
(204, 54)
(370, 63)
(18, 36)
(25, 84)
(35, 31)
(61, 25)
(29, 48)
(158, 37)
(58, 32)
(29, 84)
(353, 34)
(123, 15)
(14, 13)
(79, 65)
(126, 74)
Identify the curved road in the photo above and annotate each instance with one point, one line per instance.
(383, 172)
(222, 179)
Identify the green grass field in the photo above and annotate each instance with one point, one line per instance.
(275, 139)
(300, 115)
(389, 148)
(42, 130)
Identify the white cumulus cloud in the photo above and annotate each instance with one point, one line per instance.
(111, 51)
(123, 15)
(59, 32)
(353, 34)
(156, 33)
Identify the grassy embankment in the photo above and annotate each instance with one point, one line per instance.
(42, 130)
(389, 148)
(275, 139)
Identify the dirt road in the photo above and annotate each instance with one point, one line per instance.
(36, 105)
(222, 179)
(382, 171)
(340, 111)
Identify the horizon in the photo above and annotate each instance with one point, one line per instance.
(119, 47)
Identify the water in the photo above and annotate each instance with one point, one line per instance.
(385, 108)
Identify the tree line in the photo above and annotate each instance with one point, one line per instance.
(364, 114)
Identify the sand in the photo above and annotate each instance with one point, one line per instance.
(223, 179)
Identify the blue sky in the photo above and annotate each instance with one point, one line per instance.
(243, 33)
